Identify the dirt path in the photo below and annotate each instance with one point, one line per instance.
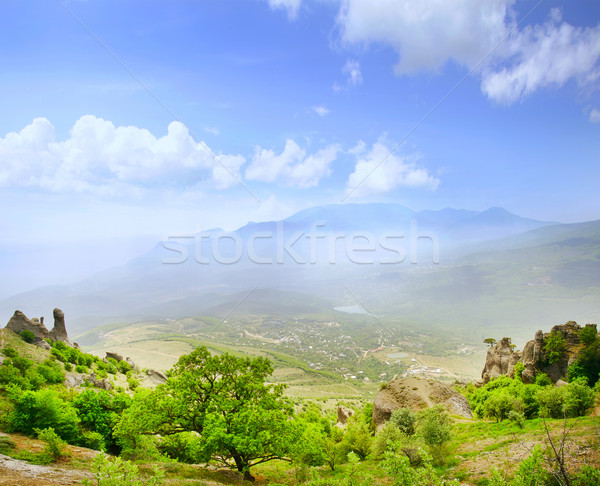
(20, 473)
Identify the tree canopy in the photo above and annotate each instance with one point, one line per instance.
(239, 419)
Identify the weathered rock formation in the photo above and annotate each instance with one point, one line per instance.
(19, 323)
(119, 357)
(501, 359)
(156, 377)
(417, 394)
(59, 331)
(343, 414)
(116, 356)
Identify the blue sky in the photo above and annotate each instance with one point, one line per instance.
(301, 101)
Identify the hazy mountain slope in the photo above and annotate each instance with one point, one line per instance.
(176, 276)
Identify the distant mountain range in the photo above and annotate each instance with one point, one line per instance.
(491, 266)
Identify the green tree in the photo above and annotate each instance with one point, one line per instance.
(489, 341)
(555, 347)
(241, 420)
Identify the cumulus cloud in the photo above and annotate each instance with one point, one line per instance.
(99, 157)
(292, 6)
(426, 35)
(595, 115)
(321, 110)
(377, 171)
(545, 55)
(292, 167)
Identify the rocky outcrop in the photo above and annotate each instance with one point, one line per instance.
(500, 360)
(417, 394)
(59, 331)
(343, 414)
(116, 356)
(74, 380)
(19, 323)
(156, 377)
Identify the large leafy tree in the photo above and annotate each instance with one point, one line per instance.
(240, 420)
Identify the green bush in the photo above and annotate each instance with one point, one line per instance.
(51, 372)
(54, 446)
(542, 379)
(10, 352)
(28, 336)
(517, 418)
(588, 336)
(43, 409)
(435, 425)
(405, 420)
(123, 367)
(118, 472)
(92, 440)
(554, 347)
(398, 466)
(500, 404)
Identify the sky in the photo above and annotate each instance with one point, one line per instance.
(129, 121)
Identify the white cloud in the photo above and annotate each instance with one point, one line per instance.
(212, 130)
(426, 34)
(292, 6)
(352, 70)
(545, 55)
(595, 115)
(378, 171)
(321, 110)
(292, 167)
(101, 158)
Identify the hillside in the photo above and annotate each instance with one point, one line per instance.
(490, 446)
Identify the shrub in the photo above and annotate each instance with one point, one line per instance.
(542, 379)
(518, 370)
(123, 366)
(357, 439)
(554, 347)
(386, 439)
(405, 420)
(10, 352)
(54, 446)
(588, 336)
(51, 372)
(92, 440)
(403, 474)
(500, 404)
(28, 336)
(43, 409)
(517, 418)
(118, 472)
(435, 425)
